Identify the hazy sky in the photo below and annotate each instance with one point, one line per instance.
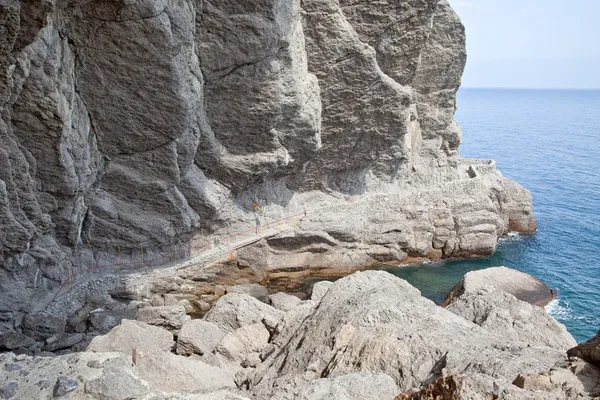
(531, 43)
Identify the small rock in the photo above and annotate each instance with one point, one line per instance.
(157, 300)
(169, 317)
(267, 351)
(202, 305)
(283, 301)
(251, 360)
(94, 364)
(65, 341)
(64, 385)
(171, 300)
(78, 317)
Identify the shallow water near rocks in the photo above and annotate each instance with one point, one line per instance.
(549, 142)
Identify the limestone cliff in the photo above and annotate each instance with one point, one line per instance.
(127, 129)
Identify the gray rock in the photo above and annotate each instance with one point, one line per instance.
(198, 337)
(64, 341)
(64, 385)
(169, 317)
(319, 289)
(9, 390)
(241, 343)
(173, 373)
(519, 284)
(116, 383)
(235, 310)
(133, 335)
(41, 326)
(104, 321)
(283, 301)
(588, 351)
(516, 320)
(13, 340)
(373, 316)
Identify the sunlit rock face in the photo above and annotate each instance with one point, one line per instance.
(129, 128)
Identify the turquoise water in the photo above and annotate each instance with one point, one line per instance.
(548, 141)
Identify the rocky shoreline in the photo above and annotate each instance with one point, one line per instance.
(368, 335)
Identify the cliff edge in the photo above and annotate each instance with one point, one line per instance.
(131, 131)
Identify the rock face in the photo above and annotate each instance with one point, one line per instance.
(519, 284)
(128, 131)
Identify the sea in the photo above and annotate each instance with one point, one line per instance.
(549, 142)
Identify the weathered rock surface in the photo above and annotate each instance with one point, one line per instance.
(319, 290)
(132, 132)
(236, 310)
(198, 337)
(370, 317)
(131, 335)
(42, 326)
(13, 340)
(498, 311)
(168, 317)
(371, 335)
(283, 301)
(588, 351)
(521, 285)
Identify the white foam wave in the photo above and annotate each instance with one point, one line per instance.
(558, 310)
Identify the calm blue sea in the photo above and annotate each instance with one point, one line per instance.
(549, 141)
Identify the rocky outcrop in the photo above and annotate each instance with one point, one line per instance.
(519, 284)
(588, 351)
(370, 335)
(499, 311)
(131, 134)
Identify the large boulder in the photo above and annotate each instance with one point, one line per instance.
(516, 320)
(239, 344)
(283, 301)
(588, 351)
(198, 337)
(521, 285)
(12, 340)
(173, 373)
(131, 335)
(42, 326)
(169, 317)
(373, 321)
(104, 320)
(235, 310)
